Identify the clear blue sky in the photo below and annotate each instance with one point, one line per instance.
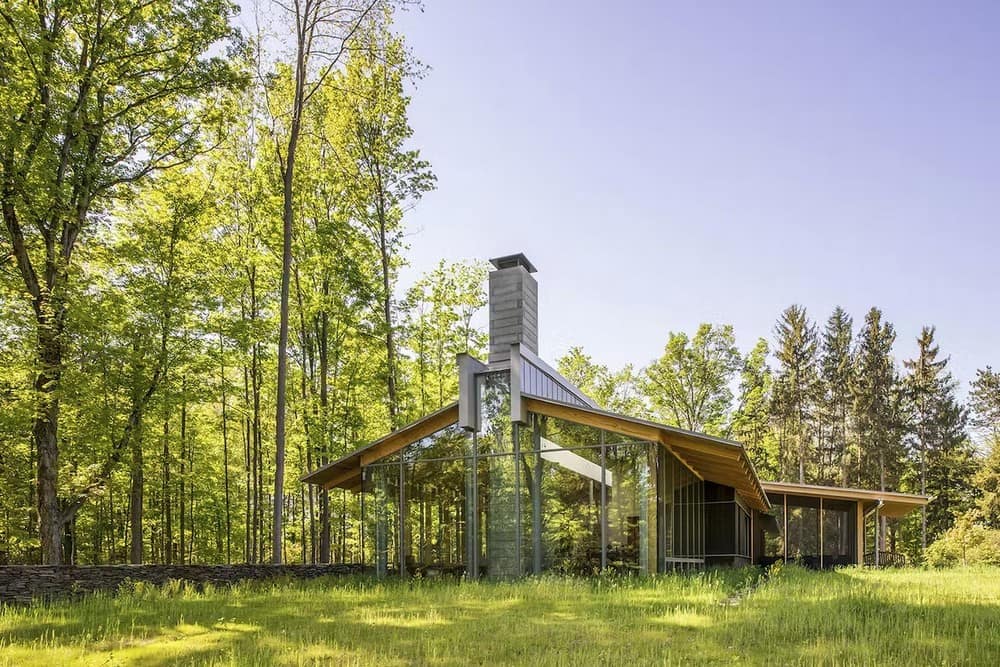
(665, 164)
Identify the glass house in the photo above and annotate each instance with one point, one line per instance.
(525, 474)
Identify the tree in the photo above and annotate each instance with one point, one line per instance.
(796, 386)
(386, 176)
(689, 385)
(440, 307)
(751, 423)
(987, 481)
(323, 31)
(876, 407)
(617, 391)
(96, 98)
(984, 400)
(837, 375)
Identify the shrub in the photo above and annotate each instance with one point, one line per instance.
(966, 543)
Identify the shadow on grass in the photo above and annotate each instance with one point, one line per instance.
(797, 617)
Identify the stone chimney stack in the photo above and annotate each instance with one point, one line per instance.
(513, 306)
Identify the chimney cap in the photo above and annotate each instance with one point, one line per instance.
(510, 261)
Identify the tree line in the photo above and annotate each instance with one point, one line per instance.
(827, 404)
(200, 300)
(199, 267)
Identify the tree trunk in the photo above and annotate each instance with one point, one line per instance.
(136, 500)
(225, 451)
(390, 344)
(46, 433)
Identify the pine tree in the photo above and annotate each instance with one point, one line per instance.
(837, 371)
(984, 401)
(796, 389)
(937, 437)
(874, 406)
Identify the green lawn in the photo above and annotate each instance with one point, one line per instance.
(850, 616)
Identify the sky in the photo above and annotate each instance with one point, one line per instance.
(665, 164)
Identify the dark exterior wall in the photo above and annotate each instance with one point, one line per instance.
(721, 509)
(23, 583)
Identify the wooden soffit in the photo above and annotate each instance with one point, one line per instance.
(893, 504)
(345, 473)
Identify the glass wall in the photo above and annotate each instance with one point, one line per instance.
(551, 495)
(430, 481)
(816, 532)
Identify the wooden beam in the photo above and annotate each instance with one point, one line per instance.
(589, 418)
(341, 477)
(406, 436)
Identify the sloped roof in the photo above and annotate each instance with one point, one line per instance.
(894, 504)
(710, 458)
(713, 459)
(345, 472)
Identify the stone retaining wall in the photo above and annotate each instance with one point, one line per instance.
(23, 583)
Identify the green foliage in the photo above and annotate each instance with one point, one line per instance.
(751, 423)
(796, 389)
(965, 543)
(987, 483)
(689, 385)
(617, 391)
(984, 401)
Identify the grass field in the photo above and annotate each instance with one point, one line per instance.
(850, 616)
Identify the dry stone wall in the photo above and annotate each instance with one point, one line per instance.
(24, 583)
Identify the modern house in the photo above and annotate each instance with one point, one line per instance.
(526, 474)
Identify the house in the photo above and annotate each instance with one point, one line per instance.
(526, 474)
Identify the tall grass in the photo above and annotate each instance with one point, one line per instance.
(851, 616)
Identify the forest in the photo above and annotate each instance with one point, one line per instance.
(200, 300)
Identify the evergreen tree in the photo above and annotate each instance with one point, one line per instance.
(796, 390)
(984, 401)
(837, 373)
(875, 404)
(987, 483)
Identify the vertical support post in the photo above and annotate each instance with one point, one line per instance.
(536, 510)
(516, 446)
(362, 501)
(878, 534)
(859, 538)
(473, 530)
(604, 505)
(784, 531)
(402, 520)
(821, 547)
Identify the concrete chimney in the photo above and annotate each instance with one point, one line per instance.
(513, 306)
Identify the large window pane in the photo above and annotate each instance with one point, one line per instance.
(382, 517)
(449, 442)
(838, 532)
(803, 529)
(496, 430)
(498, 507)
(631, 509)
(436, 516)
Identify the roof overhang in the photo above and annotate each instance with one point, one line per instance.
(894, 505)
(345, 473)
(709, 458)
